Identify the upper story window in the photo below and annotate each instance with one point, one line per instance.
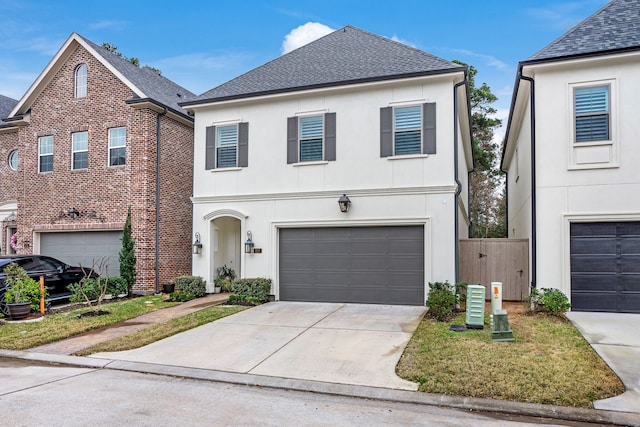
(408, 130)
(45, 154)
(14, 160)
(227, 146)
(81, 81)
(79, 150)
(592, 113)
(311, 138)
(117, 146)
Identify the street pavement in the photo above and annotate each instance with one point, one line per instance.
(35, 394)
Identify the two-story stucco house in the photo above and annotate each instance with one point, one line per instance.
(92, 136)
(339, 170)
(571, 154)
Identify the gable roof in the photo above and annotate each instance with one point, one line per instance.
(6, 105)
(346, 56)
(146, 85)
(615, 27)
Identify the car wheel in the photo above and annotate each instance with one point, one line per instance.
(3, 305)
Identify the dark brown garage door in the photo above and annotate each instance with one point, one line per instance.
(605, 266)
(373, 265)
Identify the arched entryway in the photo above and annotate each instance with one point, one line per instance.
(226, 232)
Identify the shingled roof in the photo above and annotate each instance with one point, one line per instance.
(346, 56)
(6, 105)
(614, 27)
(154, 86)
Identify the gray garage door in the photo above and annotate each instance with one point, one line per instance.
(82, 247)
(374, 265)
(605, 266)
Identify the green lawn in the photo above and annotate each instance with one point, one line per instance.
(549, 363)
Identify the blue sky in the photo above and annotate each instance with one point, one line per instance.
(200, 44)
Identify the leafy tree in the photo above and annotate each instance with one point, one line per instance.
(487, 195)
(135, 61)
(127, 255)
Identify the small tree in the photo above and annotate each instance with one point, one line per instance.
(92, 289)
(127, 255)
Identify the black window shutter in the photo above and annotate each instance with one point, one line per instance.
(429, 128)
(243, 145)
(330, 136)
(386, 132)
(292, 140)
(210, 150)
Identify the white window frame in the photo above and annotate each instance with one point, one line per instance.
(42, 154)
(117, 144)
(601, 154)
(419, 129)
(80, 81)
(14, 160)
(301, 139)
(219, 129)
(75, 151)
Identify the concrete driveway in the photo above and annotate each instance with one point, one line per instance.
(338, 343)
(615, 337)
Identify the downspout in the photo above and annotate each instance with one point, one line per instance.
(534, 246)
(157, 260)
(457, 179)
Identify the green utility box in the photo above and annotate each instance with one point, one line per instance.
(500, 329)
(475, 307)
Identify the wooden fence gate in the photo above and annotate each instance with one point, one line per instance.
(483, 261)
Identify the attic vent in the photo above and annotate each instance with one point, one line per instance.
(179, 96)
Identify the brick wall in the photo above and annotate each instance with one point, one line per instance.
(8, 181)
(44, 197)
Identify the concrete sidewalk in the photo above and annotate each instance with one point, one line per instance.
(615, 337)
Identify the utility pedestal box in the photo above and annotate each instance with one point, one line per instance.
(475, 307)
(500, 329)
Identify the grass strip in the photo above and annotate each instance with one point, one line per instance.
(56, 327)
(549, 363)
(163, 330)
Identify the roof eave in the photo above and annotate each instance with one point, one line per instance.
(159, 107)
(320, 86)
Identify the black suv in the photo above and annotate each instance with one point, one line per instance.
(57, 275)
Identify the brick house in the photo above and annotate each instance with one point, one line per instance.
(8, 175)
(95, 135)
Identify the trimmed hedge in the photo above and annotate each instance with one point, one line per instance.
(194, 285)
(254, 288)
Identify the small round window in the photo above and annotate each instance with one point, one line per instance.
(14, 160)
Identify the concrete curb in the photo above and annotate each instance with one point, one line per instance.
(383, 394)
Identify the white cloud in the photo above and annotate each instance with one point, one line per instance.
(488, 59)
(105, 24)
(304, 34)
(399, 40)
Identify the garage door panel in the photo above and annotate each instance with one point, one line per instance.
(593, 229)
(630, 283)
(593, 246)
(593, 264)
(594, 301)
(630, 246)
(383, 265)
(593, 282)
(629, 264)
(629, 302)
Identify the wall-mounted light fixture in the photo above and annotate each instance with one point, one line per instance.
(197, 246)
(248, 245)
(344, 203)
(73, 213)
